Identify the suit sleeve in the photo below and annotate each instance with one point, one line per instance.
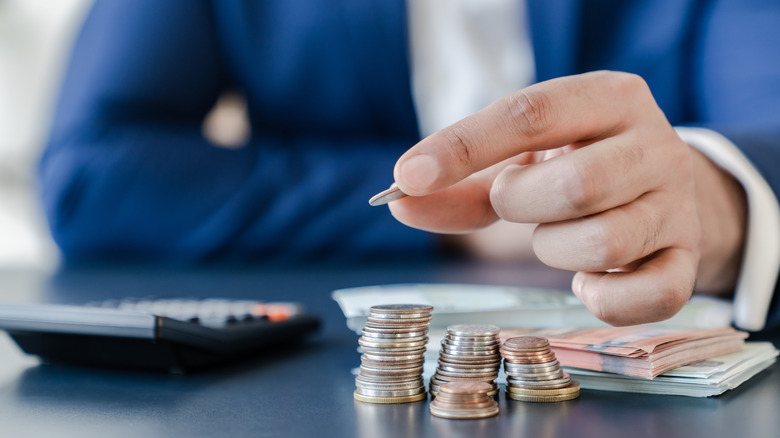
(737, 81)
(127, 172)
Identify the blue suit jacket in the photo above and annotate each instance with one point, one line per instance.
(128, 173)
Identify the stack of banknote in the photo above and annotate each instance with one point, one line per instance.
(643, 352)
(701, 379)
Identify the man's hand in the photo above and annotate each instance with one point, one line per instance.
(594, 162)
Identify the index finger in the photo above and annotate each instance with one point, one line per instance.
(546, 115)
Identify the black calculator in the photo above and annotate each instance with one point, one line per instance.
(157, 334)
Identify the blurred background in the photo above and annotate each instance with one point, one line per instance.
(35, 39)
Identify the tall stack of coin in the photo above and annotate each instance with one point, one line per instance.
(464, 401)
(533, 373)
(470, 353)
(393, 344)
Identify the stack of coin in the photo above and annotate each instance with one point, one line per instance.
(470, 353)
(464, 401)
(533, 373)
(393, 345)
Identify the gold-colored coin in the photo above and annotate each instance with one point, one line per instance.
(464, 388)
(573, 387)
(388, 400)
(543, 398)
(464, 415)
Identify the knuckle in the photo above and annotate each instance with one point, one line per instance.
(459, 145)
(580, 188)
(653, 225)
(628, 82)
(671, 300)
(629, 158)
(606, 246)
(531, 111)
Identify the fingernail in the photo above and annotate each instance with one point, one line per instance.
(418, 173)
(576, 285)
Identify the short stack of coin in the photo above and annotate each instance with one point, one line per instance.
(470, 353)
(464, 401)
(393, 345)
(533, 373)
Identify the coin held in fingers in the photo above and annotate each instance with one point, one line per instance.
(393, 193)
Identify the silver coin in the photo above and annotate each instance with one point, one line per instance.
(465, 365)
(471, 344)
(464, 353)
(461, 338)
(539, 384)
(388, 378)
(391, 393)
(399, 322)
(391, 194)
(531, 375)
(401, 308)
(464, 349)
(558, 374)
(399, 316)
(387, 332)
(389, 386)
(390, 366)
(533, 366)
(468, 370)
(394, 334)
(409, 318)
(393, 350)
(367, 370)
(473, 330)
(494, 365)
(527, 370)
(393, 345)
(391, 324)
(404, 340)
(490, 375)
(394, 357)
(443, 355)
(444, 378)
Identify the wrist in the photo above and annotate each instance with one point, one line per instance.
(722, 209)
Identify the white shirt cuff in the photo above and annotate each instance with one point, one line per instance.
(761, 259)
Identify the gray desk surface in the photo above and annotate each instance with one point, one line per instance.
(308, 392)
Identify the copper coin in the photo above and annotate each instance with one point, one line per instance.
(465, 388)
(522, 342)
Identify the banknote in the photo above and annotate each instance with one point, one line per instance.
(706, 378)
(638, 351)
